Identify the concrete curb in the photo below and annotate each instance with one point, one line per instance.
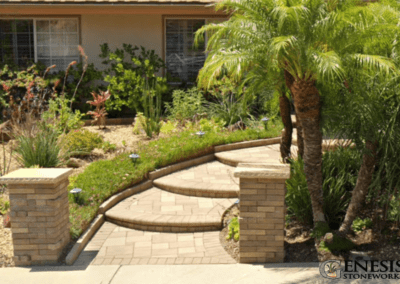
(84, 239)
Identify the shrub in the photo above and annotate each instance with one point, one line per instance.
(360, 224)
(108, 147)
(127, 78)
(230, 104)
(60, 117)
(81, 142)
(39, 147)
(233, 229)
(394, 210)
(186, 104)
(339, 170)
(4, 206)
(211, 125)
(338, 244)
(168, 127)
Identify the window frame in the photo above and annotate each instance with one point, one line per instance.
(48, 18)
(206, 19)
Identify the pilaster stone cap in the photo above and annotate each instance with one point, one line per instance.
(36, 176)
(262, 170)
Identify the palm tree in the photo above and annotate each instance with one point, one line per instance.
(312, 41)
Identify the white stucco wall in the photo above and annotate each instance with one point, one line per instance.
(114, 29)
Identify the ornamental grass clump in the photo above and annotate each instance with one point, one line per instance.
(38, 145)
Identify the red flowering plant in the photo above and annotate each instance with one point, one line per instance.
(99, 114)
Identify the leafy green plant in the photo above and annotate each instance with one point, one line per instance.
(127, 77)
(4, 206)
(138, 127)
(60, 116)
(231, 103)
(40, 147)
(186, 104)
(169, 127)
(81, 142)
(340, 169)
(360, 224)
(320, 230)
(108, 147)
(233, 229)
(394, 210)
(211, 125)
(338, 244)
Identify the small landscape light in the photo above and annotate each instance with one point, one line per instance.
(134, 157)
(75, 192)
(200, 134)
(265, 121)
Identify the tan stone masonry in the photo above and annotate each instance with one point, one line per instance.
(39, 214)
(262, 211)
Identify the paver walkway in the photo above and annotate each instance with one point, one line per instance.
(113, 244)
(177, 221)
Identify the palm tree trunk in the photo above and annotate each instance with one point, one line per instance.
(300, 144)
(300, 141)
(308, 108)
(286, 143)
(361, 189)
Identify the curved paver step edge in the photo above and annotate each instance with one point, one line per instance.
(124, 194)
(180, 166)
(84, 239)
(164, 223)
(247, 144)
(194, 189)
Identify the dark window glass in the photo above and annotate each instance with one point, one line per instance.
(16, 42)
(183, 60)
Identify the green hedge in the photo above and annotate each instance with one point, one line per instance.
(102, 179)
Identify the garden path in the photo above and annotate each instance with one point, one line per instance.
(178, 221)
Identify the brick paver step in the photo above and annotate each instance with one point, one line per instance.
(212, 179)
(117, 245)
(162, 211)
(264, 154)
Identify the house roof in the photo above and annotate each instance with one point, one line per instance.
(107, 1)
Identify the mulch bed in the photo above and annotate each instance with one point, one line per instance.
(300, 247)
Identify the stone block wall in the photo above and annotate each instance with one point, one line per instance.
(262, 212)
(39, 214)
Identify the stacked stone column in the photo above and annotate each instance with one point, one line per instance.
(262, 212)
(39, 214)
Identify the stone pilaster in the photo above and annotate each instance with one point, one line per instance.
(262, 212)
(39, 214)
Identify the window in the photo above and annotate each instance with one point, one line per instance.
(183, 60)
(49, 41)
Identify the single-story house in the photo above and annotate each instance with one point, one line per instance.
(50, 31)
